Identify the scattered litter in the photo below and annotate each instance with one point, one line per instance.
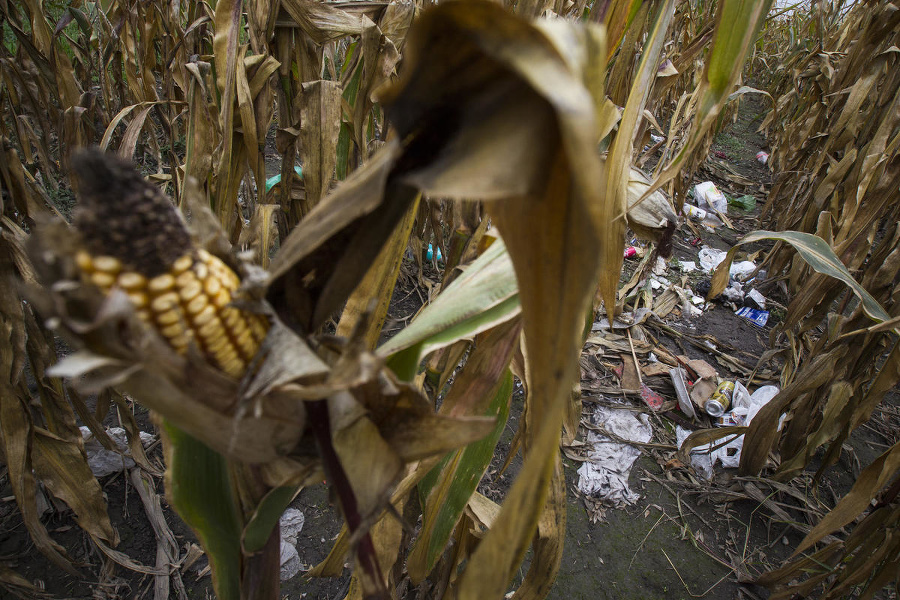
(709, 196)
(703, 287)
(630, 251)
(430, 253)
(741, 269)
(734, 292)
(659, 282)
(105, 462)
(630, 378)
(623, 321)
(758, 298)
(681, 391)
(741, 403)
(745, 202)
(719, 402)
(660, 267)
(605, 474)
(710, 258)
(653, 215)
(654, 369)
(656, 138)
(706, 383)
(291, 524)
(760, 398)
(692, 211)
(651, 398)
(687, 303)
(276, 179)
(757, 317)
(741, 398)
(688, 266)
(698, 300)
(730, 454)
(703, 458)
(729, 420)
(762, 156)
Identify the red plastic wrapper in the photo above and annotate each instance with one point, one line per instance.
(651, 398)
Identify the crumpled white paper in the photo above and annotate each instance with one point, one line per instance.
(291, 524)
(605, 474)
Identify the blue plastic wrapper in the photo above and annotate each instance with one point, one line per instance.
(757, 317)
(430, 252)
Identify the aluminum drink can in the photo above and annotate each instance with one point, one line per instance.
(720, 400)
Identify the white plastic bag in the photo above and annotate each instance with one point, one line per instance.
(710, 258)
(708, 195)
(741, 269)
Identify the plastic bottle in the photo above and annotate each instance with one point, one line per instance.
(694, 212)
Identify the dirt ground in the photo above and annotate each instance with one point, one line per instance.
(684, 538)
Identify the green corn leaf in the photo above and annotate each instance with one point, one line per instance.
(265, 517)
(199, 488)
(446, 490)
(817, 254)
(482, 297)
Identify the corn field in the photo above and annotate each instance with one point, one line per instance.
(206, 208)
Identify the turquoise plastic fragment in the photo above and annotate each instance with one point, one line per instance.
(430, 252)
(276, 179)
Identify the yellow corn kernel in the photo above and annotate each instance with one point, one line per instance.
(103, 280)
(190, 291)
(189, 304)
(225, 354)
(139, 299)
(204, 316)
(211, 286)
(182, 264)
(164, 303)
(172, 331)
(184, 278)
(222, 299)
(231, 317)
(200, 267)
(131, 281)
(108, 264)
(240, 325)
(234, 367)
(197, 304)
(84, 261)
(180, 343)
(211, 330)
(259, 329)
(161, 283)
(169, 317)
(217, 345)
(247, 343)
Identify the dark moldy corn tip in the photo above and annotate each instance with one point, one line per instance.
(122, 215)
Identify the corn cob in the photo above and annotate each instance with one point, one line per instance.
(135, 240)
